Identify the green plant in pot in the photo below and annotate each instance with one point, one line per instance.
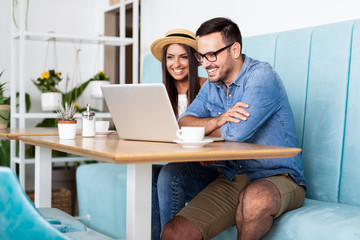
(66, 121)
(50, 94)
(4, 106)
(98, 80)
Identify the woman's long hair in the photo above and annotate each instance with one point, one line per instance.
(169, 81)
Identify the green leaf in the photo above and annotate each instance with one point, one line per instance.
(5, 153)
(48, 122)
(75, 93)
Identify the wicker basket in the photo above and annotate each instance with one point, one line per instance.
(61, 199)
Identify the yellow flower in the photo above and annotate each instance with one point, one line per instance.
(101, 72)
(76, 105)
(45, 75)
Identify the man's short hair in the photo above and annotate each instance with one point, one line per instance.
(229, 30)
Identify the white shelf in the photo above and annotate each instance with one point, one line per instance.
(18, 65)
(105, 40)
(54, 115)
(118, 5)
(55, 159)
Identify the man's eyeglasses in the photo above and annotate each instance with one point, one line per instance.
(210, 56)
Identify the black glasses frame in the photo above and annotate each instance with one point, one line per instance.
(200, 56)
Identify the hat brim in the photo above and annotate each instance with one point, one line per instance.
(158, 46)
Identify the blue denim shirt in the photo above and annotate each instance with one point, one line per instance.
(271, 120)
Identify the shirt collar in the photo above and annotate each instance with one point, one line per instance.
(238, 79)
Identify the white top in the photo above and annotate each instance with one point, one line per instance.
(182, 104)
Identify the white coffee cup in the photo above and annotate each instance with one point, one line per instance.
(191, 134)
(102, 126)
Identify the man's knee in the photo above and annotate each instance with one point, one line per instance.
(258, 199)
(180, 228)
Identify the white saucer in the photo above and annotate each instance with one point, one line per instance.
(104, 134)
(195, 144)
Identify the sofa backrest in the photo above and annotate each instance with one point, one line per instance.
(320, 68)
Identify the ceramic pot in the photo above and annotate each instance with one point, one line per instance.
(95, 88)
(50, 101)
(67, 129)
(4, 116)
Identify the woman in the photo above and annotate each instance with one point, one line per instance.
(179, 66)
(175, 183)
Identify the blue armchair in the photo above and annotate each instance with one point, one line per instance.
(19, 219)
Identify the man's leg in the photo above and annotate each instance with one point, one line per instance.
(264, 200)
(179, 181)
(258, 204)
(174, 230)
(209, 213)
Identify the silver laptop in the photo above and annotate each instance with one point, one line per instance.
(141, 111)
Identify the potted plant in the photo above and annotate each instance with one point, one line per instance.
(66, 121)
(50, 94)
(98, 80)
(4, 106)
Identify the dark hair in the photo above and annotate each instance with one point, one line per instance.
(229, 30)
(169, 81)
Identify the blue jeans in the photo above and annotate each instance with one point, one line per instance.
(173, 185)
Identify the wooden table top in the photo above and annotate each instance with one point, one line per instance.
(113, 149)
(14, 133)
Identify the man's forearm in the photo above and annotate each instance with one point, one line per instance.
(208, 123)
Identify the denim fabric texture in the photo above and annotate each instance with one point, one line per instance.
(271, 121)
(173, 185)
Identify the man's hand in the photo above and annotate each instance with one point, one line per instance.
(234, 114)
(212, 124)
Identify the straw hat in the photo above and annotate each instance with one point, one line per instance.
(173, 36)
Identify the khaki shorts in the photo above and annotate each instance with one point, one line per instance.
(213, 209)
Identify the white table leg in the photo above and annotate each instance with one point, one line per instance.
(43, 174)
(138, 209)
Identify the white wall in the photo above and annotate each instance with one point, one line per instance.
(81, 17)
(69, 17)
(254, 17)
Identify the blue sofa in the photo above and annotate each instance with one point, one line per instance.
(320, 68)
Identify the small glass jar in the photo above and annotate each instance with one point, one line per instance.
(88, 122)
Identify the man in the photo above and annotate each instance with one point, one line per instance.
(249, 193)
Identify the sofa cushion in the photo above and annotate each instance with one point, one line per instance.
(101, 190)
(318, 220)
(61, 220)
(349, 191)
(314, 220)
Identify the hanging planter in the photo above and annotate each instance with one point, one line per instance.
(50, 101)
(4, 116)
(96, 82)
(4, 106)
(50, 95)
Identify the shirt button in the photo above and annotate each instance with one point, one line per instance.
(219, 113)
(229, 95)
(240, 166)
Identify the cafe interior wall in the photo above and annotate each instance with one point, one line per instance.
(66, 17)
(253, 17)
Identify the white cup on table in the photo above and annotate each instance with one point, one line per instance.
(102, 126)
(191, 134)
